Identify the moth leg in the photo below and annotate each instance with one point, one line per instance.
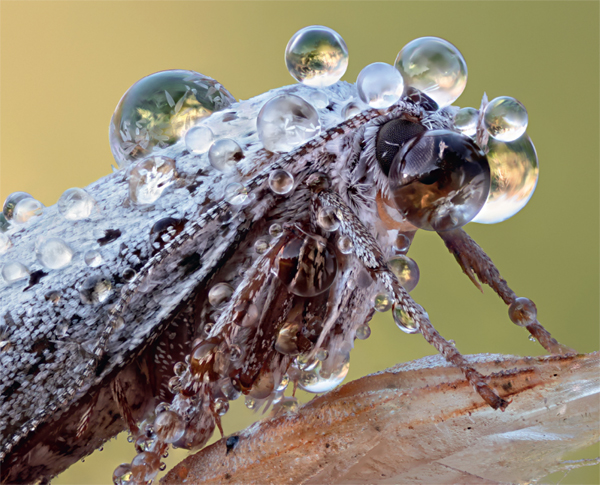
(475, 262)
(368, 252)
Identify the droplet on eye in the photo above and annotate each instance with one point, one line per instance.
(440, 180)
(149, 178)
(505, 118)
(307, 266)
(434, 66)
(285, 122)
(224, 154)
(515, 170)
(379, 85)
(54, 253)
(466, 120)
(316, 56)
(407, 271)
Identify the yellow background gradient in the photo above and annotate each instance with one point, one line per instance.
(65, 65)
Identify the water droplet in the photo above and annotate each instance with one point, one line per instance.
(250, 402)
(118, 323)
(221, 406)
(325, 376)
(199, 139)
(318, 99)
(236, 193)
(174, 385)
(345, 245)
(75, 204)
(159, 109)
(382, 302)
(275, 230)
(305, 362)
(95, 289)
(407, 271)
(287, 339)
(163, 466)
(224, 154)
(143, 443)
(235, 353)
(285, 381)
(296, 265)
(14, 271)
(403, 320)
(129, 274)
(440, 180)
(327, 219)
(122, 475)
(466, 121)
(522, 312)
(515, 170)
(402, 243)
(27, 208)
(144, 466)
(231, 390)
(261, 246)
(363, 332)
(200, 355)
(434, 66)
(316, 56)
(532, 338)
(322, 354)
(350, 110)
(163, 231)
(505, 118)
(285, 122)
(169, 426)
(93, 258)
(286, 405)
(11, 201)
(281, 182)
(180, 368)
(53, 296)
(54, 253)
(4, 243)
(379, 85)
(149, 178)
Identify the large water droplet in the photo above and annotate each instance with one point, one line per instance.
(307, 266)
(219, 294)
(11, 201)
(434, 66)
(159, 109)
(14, 271)
(169, 426)
(199, 139)
(123, 475)
(145, 466)
(285, 122)
(522, 311)
(327, 219)
(27, 208)
(224, 154)
(515, 170)
(345, 245)
(505, 118)
(440, 180)
(403, 320)
(407, 271)
(466, 120)
(379, 85)
(54, 253)
(326, 375)
(281, 182)
(316, 56)
(149, 178)
(382, 302)
(75, 204)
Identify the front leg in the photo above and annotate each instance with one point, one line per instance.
(366, 249)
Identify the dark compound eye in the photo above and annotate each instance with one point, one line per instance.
(390, 139)
(440, 180)
(420, 98)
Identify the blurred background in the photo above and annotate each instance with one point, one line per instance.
(65, 65)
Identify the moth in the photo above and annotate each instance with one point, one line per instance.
(224, 285)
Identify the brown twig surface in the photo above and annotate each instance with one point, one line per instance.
(419, 422)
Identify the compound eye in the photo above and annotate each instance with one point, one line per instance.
(440, 180)
(420, 98)
(390, 139)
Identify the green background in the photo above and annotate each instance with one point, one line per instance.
(65, 65)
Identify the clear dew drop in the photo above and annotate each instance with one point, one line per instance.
(144, 466)
(327, 219)
(236, 193)
(363, 332)
(169, 426)
(224, 154)
(435, 67)
(230, 390)
(287, 339)
(350, 110)
(95, 289)
(514, 171)
(149, 178)
(199, 139)
(325, 376)
(318, 99)
(76, 204)
(305, 362)
(322, 354)
(532, 338)
(123, 475)
(5, 243)
(93, 258)
(275, 230)
(281, 182)
(128, 274)
(285, 122)
(219, 294)
(11, 201)
(505, 118)
(159, 109)
(316, 56)
(345, 245)
(466, 120)
(402, 243)
(522, 312)
(285, 381)
(261, 246)
(54, 253)
(14, 271)
(221, 406)
(26, 209)
(286, 405)
(250, 402)
(379, 85)
(407, 271)
(382, 302)
(403, 320)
